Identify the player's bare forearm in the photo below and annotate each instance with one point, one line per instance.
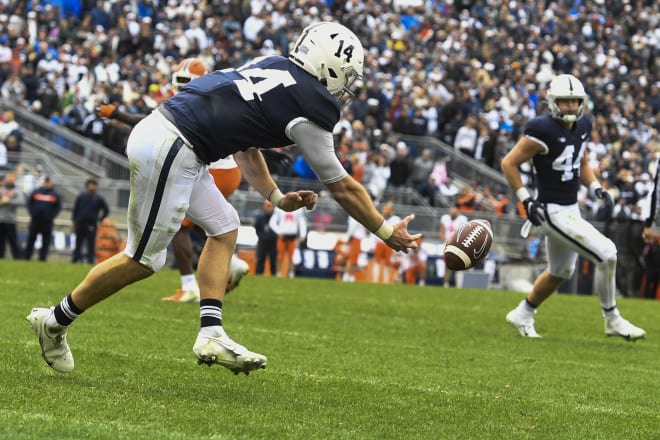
(129, 118)
(524, 150)
(255, 171)
(587, 175)
(509, 167)
(356, 201)
(111, 111)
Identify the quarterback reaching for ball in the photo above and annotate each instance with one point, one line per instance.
(268, 102)
(555, 144)
(226, 175)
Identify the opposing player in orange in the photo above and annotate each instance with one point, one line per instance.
(383, 254)
(413, 266)
(227, 177)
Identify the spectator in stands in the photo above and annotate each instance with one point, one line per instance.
(13, 145)
(89, 209)
(291, 230)
(94, 127)
(267, 241)
(44, 204)
(421, 169)
(13, 89)
(377, 173)
(31, 181)
(400, 167)
(466, 137)
(448, 189)
(11, 198)
(466, 201)
(357, 168)
(8, 125)
(4, 159)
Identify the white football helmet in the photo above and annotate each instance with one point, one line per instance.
(566, 86)
(186, 71)
(332, 53)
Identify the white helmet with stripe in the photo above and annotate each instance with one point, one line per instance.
(566, 86)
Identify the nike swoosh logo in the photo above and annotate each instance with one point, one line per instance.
(478, 252)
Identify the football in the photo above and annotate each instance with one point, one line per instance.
(468, 245)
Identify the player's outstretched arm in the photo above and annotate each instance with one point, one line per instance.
(356, 201)
(255, 171)
(111, 111)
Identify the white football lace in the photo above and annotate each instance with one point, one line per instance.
(472, 236)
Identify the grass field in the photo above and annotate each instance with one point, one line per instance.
(357, 361)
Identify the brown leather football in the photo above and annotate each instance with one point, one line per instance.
(468, 245)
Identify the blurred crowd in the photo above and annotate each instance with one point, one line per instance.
(470, 73)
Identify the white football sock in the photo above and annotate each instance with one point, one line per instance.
(605, 283)
(189, 282)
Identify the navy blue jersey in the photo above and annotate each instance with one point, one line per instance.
(558, 171)
(234, 109)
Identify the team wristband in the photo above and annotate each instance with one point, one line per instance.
(385, 231)
(275, 197)
(594, 186)
(523, 194)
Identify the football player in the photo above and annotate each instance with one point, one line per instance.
(268, 102)
(227, 177)
(555, 143)
(383, 254)
(291, 230)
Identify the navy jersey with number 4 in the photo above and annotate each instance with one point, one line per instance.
(234, 109)
(558, 171)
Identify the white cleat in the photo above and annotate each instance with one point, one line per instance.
(621, 327)
(237, 270)
(184, 296)
(523, 323)
(222, 350)
(54, 349)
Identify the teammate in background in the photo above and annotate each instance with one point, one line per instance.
(555, 144)
(227, 177)
(268, 102)
(291, 230)
(383, 254)
(449, 223)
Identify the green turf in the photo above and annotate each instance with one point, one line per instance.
(344, 362)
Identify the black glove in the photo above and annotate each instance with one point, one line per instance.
(535, 211)
(604, 195)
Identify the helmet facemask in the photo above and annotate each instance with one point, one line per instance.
(347, 93)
